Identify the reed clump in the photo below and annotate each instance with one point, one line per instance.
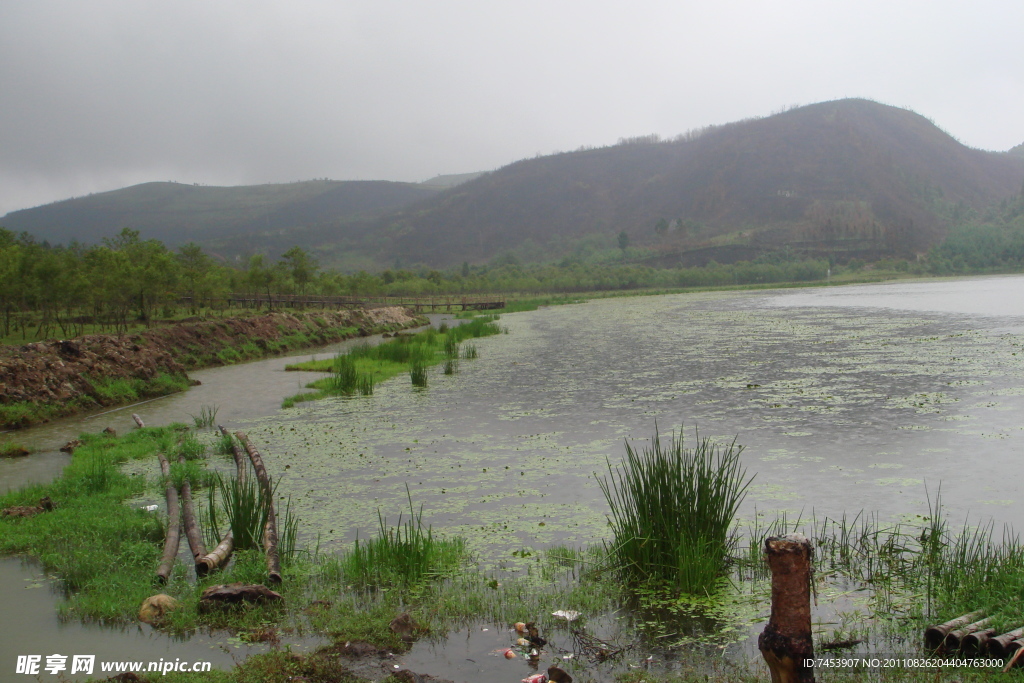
(672, 512)
(405, 554)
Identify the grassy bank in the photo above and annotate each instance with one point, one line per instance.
(361, 368)
(55, 379)
(911, 574)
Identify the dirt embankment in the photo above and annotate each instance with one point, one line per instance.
(59, 377)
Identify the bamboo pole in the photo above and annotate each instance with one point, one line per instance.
(163, 572)
(786, 643)
(999, 646)
(270, 529)
(216, 557)
(974, 643)
(953, 640)
(236, 453)
(192, 532)
(935, 635)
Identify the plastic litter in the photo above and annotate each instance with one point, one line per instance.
(151, 508)
(536, 678)
(567, 614)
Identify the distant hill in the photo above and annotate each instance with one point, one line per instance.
(175, 213)
(848, 178)
(451, 180)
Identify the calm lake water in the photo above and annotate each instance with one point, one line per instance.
(845, 399)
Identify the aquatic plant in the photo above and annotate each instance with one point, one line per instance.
(469, 352)
(418, 375)
(245, 507)
(451, 366)
(404, 554)
(672, 511)
(206, 418)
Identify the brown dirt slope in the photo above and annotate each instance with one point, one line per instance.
(65, 373)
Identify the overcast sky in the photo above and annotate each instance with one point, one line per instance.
(103, 94)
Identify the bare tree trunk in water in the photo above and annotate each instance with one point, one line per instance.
(786, 641)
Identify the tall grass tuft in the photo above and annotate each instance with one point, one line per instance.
(245, 508)
(206, 418)
(672, 511)
(451, 347)
(451, 366)
(469, 352)
(418, 375)
(344, 379)
(405, 554)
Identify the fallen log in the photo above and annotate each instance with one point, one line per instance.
(998, 646)
(192, 532)
(236, 453)
(45, 505)
(163, 572)
(216, 557)
(953, 640)
(786, 642)
(935, 635)
(270, 529)
(138, 420)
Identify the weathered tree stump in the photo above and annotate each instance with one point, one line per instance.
(45, 505)
(138, 420)
(786, 641)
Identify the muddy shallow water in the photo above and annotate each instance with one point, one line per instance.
(845, 399)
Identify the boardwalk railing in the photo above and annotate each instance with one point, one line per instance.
(418, 304)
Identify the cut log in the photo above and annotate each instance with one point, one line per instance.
(163, 572)
(270, 529)
(216, 557)
(192, 532)
(952, 641)
(935, 635)
(138, 420)
(235, 593)
(236, 453)
(999, 646)
(786, 642)
(975, 643)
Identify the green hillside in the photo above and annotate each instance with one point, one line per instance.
(852, 177)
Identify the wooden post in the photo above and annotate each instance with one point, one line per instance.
(786, 641)
(138, 420)
(163, 572)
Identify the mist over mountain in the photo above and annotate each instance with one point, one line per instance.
(847, 178)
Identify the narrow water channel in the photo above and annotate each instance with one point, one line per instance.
(844, 398)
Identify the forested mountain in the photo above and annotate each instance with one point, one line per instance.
(847, 178)
(844, 179)
(175, 213)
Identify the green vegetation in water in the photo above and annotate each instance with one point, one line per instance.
(364, 366)
(206, 418)
(13, 450)
(405, 554)
(104, 552)
(672, 511)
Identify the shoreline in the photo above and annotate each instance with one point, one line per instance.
(44, 380)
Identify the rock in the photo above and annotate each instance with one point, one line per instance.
(558, 675)
(126, 677)
(110, 431)
(14, 451)
(45, 505)
(155, 607)
(405, 627)
(236, 593)
(70, 446)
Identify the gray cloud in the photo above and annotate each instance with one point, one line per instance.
(109, 93)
